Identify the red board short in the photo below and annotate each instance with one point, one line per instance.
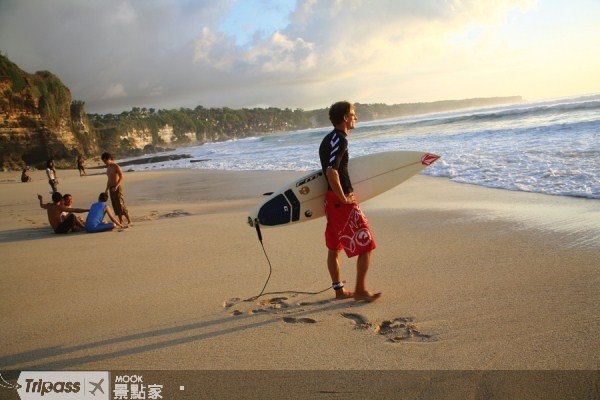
(347, 227)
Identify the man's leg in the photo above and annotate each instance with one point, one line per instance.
(128, 217)
(78, 224)
(333, 265)
(123, 208)
(362, 266)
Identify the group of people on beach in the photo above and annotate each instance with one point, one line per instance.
(51, 173)
(341, 208)
(62, 216)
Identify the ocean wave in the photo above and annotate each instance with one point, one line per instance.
(548, 147)
(495, 115)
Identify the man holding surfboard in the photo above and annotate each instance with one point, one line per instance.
(347, 227)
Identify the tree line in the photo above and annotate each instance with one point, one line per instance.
(219, 124)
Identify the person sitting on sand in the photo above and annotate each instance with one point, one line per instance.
(68, 202)
(95, 219)
(25, 176)
(55, 209)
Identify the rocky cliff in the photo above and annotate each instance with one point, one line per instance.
(38, 120)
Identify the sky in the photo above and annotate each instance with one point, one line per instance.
(165, 54)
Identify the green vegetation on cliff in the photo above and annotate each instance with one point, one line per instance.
(37, 120)
(218, 124)
(202, 124)
(41, 93)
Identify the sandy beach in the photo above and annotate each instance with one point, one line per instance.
(473, 279)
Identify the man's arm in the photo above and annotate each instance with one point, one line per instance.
(42, 205)
(333, 177)
(108, 212)
(119, 176)
(74, 210)
(109, 177)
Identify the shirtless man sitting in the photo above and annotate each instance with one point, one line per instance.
(56, 208)
(68, 202)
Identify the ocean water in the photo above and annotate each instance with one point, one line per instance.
(550, 147)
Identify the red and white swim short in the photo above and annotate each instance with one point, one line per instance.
(347, 227)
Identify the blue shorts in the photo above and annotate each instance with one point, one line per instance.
(100, 228)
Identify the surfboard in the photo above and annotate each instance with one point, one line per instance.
(302, 200)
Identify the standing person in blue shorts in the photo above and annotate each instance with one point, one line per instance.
(95, 219)
(347, 227)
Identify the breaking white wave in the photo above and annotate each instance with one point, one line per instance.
(550, 147)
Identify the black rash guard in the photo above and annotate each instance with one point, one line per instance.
(333, 153)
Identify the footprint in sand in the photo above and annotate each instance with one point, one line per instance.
(401, 329)
(292, 320)
(231, 302)
(359, 321)
(313, 303)
(153, 215)
(175, 214)
(258, 311)
(275, 302)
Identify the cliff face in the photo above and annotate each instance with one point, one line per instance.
(38, 121)
(141, 138)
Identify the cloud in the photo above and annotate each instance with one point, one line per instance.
(114, 91)
(339, 39)
(117, 54)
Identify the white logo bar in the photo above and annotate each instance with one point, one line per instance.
(64, 385)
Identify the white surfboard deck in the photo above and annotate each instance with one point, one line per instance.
(303, 199)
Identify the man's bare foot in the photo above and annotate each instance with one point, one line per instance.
(343, 294)
(366, 296)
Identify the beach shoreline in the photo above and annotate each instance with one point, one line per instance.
(472, 279)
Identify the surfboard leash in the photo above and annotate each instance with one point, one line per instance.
(262, 292)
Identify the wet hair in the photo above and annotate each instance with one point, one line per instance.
(106, 156)
(338, 111)
(56, 197)
(103, 197)
(66, 195)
